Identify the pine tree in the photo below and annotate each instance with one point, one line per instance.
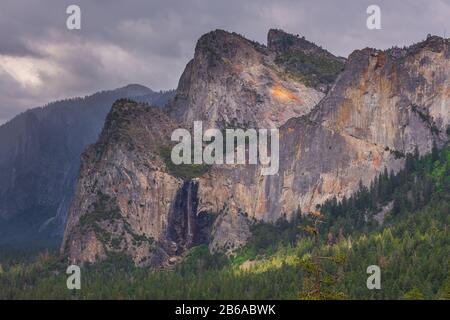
(444, 293)
(318, 283)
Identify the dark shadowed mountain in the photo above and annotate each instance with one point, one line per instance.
(39, 161)
(304, 60)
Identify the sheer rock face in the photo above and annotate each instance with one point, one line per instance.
(124, 196)
(382, 106)
(232, 80)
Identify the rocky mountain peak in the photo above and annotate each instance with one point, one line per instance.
(433, 43)
(224, 44)
(116, 206)
(282, 42)
(382, 106)
(134, 125)
(232, 80)
(304, 60)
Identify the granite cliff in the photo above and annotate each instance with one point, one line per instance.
(336, 129)
(234, 81)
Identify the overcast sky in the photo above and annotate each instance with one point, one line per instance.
(150, 41)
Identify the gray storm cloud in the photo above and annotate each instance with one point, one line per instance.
(149, 42)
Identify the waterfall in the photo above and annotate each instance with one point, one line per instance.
(183, 227)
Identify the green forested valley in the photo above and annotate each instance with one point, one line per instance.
(400, 223)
